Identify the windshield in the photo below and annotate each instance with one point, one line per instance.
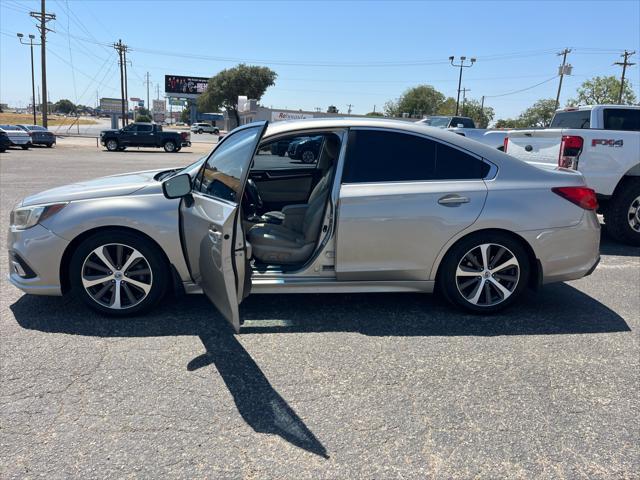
(439, 122)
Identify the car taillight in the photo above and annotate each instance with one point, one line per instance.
(505, 144)
(582, 196)
(184, 135)
(570, 149)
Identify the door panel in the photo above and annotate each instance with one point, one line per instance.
(212, 224)
(208, 228)
(394, 231)
(284, 187)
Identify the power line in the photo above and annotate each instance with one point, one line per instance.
(523, 89)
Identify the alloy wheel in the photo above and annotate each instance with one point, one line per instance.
(116, 276)
(308, 156)
(633, 215)
(487, 275)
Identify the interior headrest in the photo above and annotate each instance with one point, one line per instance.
(330, 151)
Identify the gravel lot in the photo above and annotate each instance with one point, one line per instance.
(317, 386)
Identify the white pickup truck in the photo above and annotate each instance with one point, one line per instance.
(603, 143)
(466, 127)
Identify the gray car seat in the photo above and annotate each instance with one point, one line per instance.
(329, 155)
(286, 244)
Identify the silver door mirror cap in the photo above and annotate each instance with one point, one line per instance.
(177, 187)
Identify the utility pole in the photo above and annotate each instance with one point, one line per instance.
(157, 91)
(461, 65)
(464, 98)
(120, 47)
(349, 109)
(126, 83)
(44, 17)
(624, 64)
(564, 68)
(147, 82)
(33, 80)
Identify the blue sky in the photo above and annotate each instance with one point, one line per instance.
(340, 53)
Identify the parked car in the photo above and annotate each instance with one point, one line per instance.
(144, 135)
(39, 135)
(5, 143)
(205, 128)
(603, 143)
(390, 206)
(280, 147)
(306, 149)
(466, 127)
(17, 136)
(447, 121)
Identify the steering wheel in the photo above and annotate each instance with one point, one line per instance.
(253, 194)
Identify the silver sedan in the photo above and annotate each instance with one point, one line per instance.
(386, 206)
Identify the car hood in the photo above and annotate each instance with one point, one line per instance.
(113, 186)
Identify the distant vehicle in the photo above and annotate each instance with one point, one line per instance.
(446, 121)
(17, 136)
(205, 128)
(280, 147)
(305, 149)
(144, 135)
(4, 141)
(603, 143)
(466, 127)
(39, 135)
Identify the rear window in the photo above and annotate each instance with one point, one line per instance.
(572, 119)
(8, 127)
(622, 119)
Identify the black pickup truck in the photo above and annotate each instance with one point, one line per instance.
(144, 135)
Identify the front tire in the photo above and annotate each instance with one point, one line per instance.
(200, 131)
(118, 273)
(112, 145)
(485, 272)
(24, 147)
(170, 146)
(622, 214)
(49, 145)
(308, 156)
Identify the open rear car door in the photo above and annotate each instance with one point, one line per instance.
(211, 225)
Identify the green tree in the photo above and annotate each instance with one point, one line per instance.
(143, 118)
(64, 106)
(481, 116)
(224, 88)
(185, 115)
(507, 123)
(539, 114)
(448, 107)
(375, 114)
(417, 102)
(602, 90)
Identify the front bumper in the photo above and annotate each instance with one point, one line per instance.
(567, 253)
(34, 260)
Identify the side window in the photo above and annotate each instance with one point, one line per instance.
(622, 119)
(223, 171)
(145, 128)
(300, 151)
(468, 123)
(572, 119)
(376, 156)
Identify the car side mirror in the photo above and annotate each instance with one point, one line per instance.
(177, 187)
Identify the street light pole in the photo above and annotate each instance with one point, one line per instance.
(461, 65)
(33, 80)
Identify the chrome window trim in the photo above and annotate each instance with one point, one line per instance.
(491, 174)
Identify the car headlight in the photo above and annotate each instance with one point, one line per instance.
(27, 217)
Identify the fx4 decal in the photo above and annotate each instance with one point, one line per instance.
(607, 142)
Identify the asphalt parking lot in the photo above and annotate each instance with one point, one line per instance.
(317, 386)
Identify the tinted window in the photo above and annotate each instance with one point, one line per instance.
(224, 170)
(145, 128)
(299, 151)
(378, 156)
(9, 127)
(573, 119)
(622, 119)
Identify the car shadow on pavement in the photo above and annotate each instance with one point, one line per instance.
(609, 246)
(557, 309)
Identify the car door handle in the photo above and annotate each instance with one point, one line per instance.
(214, 235)
(453, 200)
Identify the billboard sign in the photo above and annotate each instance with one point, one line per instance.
(177, 102)
(185, 85)
(278, 116)
(111, 105)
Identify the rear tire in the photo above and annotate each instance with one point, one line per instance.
(112, 145)
(489, 284)
(622, 214)
(200, 131)
(170, 146)
(150, 271)
(49, 145)
(308, 156)
(24, 147)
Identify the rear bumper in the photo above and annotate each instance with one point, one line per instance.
(567, 253)
(20, 140)
(185, 144)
